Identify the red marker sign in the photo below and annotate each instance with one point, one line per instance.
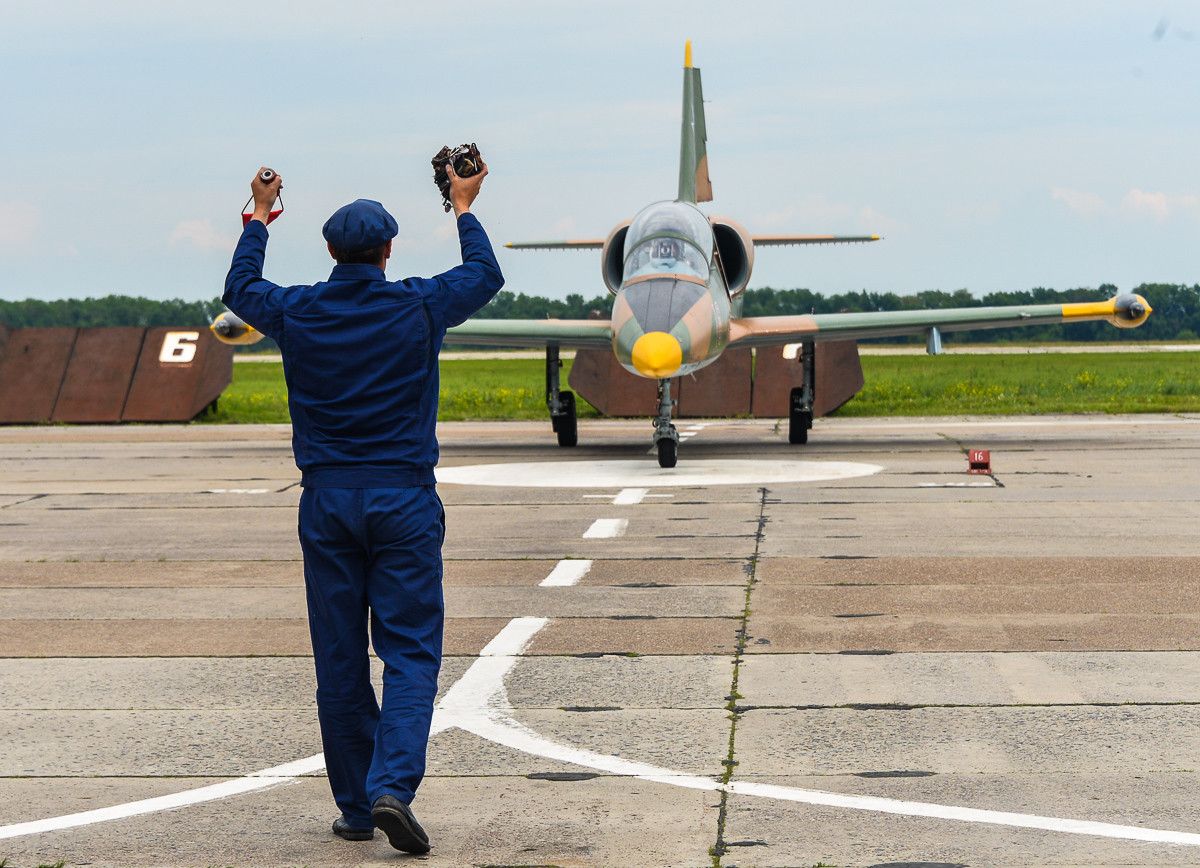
(979, 461)
(266, 176)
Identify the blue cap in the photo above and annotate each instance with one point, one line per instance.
(361, 225)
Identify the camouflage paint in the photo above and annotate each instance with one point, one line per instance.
(696, 314)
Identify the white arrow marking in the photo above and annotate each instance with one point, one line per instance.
(478, 703)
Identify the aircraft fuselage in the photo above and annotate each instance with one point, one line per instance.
(671, 313)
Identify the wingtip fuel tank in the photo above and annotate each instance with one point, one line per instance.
(229, 328)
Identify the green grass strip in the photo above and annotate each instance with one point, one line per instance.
(498, 389)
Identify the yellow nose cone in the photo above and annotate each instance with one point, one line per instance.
(657, 355)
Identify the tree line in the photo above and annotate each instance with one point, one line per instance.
(1176, 310)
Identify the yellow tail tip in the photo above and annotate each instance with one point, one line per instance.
(687, 54)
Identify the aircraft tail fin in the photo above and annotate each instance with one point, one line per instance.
(694, 183)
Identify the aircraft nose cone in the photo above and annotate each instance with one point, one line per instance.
(657, 355)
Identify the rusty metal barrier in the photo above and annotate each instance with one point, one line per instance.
(733, 385)
(110, 374)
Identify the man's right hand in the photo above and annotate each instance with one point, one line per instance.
(464, 190)
(265, 194)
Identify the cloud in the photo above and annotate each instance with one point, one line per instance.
(1159, 205)
(19, 222)
(1080, 201)
(1138, 203)
(201, 235)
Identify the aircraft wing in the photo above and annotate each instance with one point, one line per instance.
(532, 333)
(759, 241)
(783, 240)
(567, 244)
(1124, 311)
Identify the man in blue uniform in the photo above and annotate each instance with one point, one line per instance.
(360, 360)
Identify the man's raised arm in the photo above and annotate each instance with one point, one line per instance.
(469, 286)
(247, 294)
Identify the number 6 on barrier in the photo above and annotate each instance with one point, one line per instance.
(178, 347)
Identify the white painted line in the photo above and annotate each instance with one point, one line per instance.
(259, 780)
(236, 491)
(612, 498)
(937, 424)
(966, 815)
(630, 496)
(514, 638)
(478, 703)
(565, 574)
(606, 528)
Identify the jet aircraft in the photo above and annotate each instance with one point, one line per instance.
(677, 276)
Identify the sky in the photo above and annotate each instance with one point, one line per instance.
(994, 146)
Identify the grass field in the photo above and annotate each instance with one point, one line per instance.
(895, 386)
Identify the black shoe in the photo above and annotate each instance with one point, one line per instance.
(344, 830)
(397, 822)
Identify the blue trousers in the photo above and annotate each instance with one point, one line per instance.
(374, 554)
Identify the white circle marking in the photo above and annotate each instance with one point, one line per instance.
(634, 473)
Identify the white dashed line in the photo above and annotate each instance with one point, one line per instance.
(606, 528)
(565, 574)
(627, 496)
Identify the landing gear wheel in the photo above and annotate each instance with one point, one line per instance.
(800, 419)
(565, 423)
(798, 425)
(668, 452)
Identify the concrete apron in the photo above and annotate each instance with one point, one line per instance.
(925, 671)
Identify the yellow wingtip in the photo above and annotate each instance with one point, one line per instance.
(687, 54)
(508, 244)
(874, 237)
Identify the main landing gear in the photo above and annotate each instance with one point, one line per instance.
(561, 404)
(666, 438)
(800, 404)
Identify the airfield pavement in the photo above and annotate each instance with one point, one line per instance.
(908, 667)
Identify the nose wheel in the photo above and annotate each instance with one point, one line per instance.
(668, 452)
(666, 438)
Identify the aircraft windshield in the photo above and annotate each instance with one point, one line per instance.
(665, 256)
(668, 237)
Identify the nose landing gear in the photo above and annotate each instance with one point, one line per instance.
(666, 438)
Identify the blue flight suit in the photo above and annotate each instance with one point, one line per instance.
(360, 359)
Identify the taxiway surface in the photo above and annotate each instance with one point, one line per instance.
(638, 672)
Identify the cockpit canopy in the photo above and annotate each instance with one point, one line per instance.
(668, 238)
